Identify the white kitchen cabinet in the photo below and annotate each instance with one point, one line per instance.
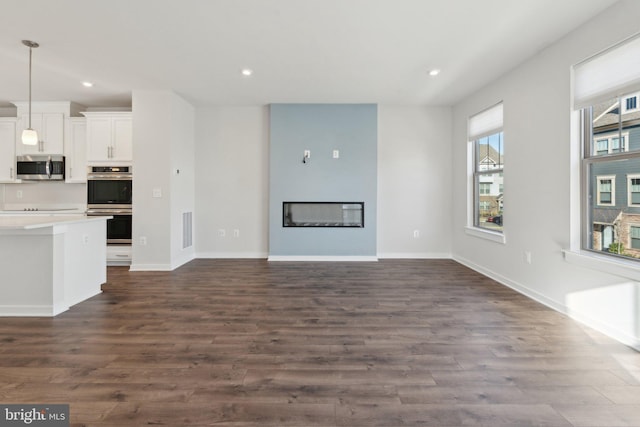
(50, 128)
(7, 149)
(119, 254)
(75, 150)
(109, 137)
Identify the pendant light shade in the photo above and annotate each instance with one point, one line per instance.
(30, 136)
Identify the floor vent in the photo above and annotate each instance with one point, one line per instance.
(187, 229)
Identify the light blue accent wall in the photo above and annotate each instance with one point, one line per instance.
(321, 128)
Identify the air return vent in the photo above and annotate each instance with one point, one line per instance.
(187, 229)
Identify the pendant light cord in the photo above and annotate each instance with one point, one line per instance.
(30, 55)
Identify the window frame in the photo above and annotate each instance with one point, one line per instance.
(631, 176)
(477, 174)
(611, 178)
(481, 125)
(589, 158)
(624, 103)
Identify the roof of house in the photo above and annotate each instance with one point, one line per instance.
(606, 215)
(607, 114)
(487, 151)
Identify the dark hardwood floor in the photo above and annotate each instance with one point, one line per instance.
(253, 343)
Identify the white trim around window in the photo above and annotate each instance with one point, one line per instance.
(629, 189)
(634, 100)
(612, 179)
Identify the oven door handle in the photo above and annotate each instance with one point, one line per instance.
(105, 177)
(97, 212)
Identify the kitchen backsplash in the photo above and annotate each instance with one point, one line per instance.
(43, 194)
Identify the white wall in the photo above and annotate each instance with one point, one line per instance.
(232, 182)
(541, 187)
(182, 181)
(414, 182)
(414, 158)
(163, 142)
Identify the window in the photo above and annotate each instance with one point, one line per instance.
(633, 184)
(612, 143)
(487, 149)
(630, 104)
(606, 91)
(606, 190)
(634, 236)
(602, 146)
(611, 216)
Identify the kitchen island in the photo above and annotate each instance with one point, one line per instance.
(49, 263)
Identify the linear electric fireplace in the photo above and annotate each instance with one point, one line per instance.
(323, 214)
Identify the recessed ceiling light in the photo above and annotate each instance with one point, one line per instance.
(434, 72)
(247, 72)
(87, 84)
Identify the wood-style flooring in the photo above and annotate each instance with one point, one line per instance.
(253, 343)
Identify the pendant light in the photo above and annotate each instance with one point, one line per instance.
(30, 136)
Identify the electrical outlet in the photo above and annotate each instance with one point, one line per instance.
(222, 232)
(19, 194)
(336, 154)
(143, 240)
(157, 193)
(416, 234)
(85, 239)
(307, 154)
(527, 257)
(236, 233)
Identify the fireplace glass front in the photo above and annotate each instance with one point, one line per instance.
(323, 214)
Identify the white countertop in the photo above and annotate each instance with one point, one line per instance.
(29, 222)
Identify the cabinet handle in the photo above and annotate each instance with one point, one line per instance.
(11, 173)
(70, 172)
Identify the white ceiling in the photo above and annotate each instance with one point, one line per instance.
(301, 51)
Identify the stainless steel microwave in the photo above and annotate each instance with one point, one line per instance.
(40, 168)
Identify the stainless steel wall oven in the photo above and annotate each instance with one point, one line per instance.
(109, 192)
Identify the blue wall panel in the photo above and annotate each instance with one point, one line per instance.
(321, 128)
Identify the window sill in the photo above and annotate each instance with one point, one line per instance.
(485, 234)
(627, 269)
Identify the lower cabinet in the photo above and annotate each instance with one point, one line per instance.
(118, 255)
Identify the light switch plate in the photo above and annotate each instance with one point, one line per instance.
(157, 193)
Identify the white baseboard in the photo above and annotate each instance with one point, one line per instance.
(322, 258)
(150, 267)
(31, 310)
(230, 255)
(583, 318)
(414, 255)
(182, 260)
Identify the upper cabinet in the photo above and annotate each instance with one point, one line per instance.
(75, 149)
(50, 128)
(109, 137)
(7, 149)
